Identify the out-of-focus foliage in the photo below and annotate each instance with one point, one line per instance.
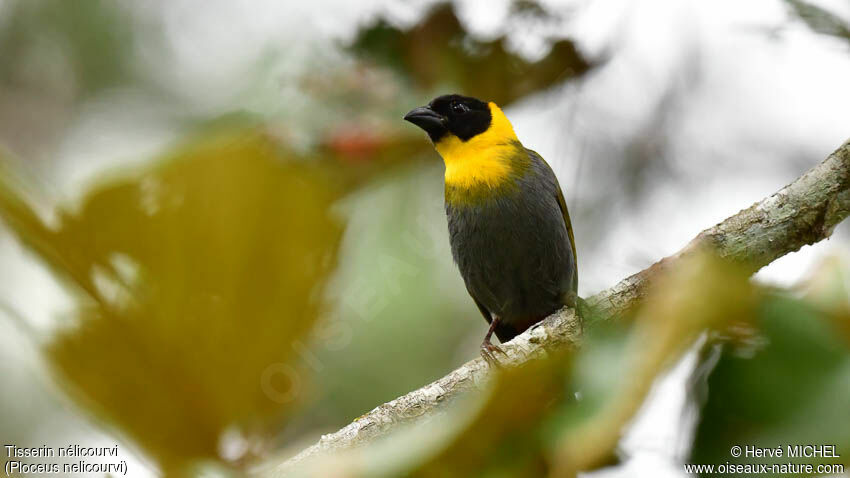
(196, 278)
(438, 51)
(785, 383)
(819, 19)
(507, 437)
(703, 293)
(827, 290)
(45, 34)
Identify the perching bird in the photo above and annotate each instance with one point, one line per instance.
(509, 228)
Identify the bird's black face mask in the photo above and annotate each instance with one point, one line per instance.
(462, 116)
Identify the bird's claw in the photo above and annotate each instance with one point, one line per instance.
(489, 351)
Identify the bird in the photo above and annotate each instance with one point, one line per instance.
(509, 228)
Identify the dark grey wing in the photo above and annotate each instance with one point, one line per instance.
(484, 311)
(566, 214)
(562, 204)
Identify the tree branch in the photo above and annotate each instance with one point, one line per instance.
(804, 212)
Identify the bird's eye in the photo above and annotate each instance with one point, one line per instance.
(459, 108)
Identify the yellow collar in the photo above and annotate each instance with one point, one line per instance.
(484, 159)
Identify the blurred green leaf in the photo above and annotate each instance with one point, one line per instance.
(701, 293)
(820, 20)
(197, 276)
(438, 51)
(507, 436)
(791, 386)
(93, 37)
(599, 367)
(828, 290)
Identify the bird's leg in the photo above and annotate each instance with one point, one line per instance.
(488, 349)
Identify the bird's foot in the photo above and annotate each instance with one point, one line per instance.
(489, 351)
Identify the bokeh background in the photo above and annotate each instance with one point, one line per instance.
(221, 241)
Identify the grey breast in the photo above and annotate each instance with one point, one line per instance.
(513, 250)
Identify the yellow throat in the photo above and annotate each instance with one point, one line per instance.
(484, 159)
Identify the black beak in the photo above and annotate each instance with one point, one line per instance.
(429, 120)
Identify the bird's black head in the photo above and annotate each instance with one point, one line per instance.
(462, 116)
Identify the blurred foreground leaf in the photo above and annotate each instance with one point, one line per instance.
(790, 384)
(507, 437)
(438, 51)
(195, 278)
(92, 38)
(820, 20)
(703, 293)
